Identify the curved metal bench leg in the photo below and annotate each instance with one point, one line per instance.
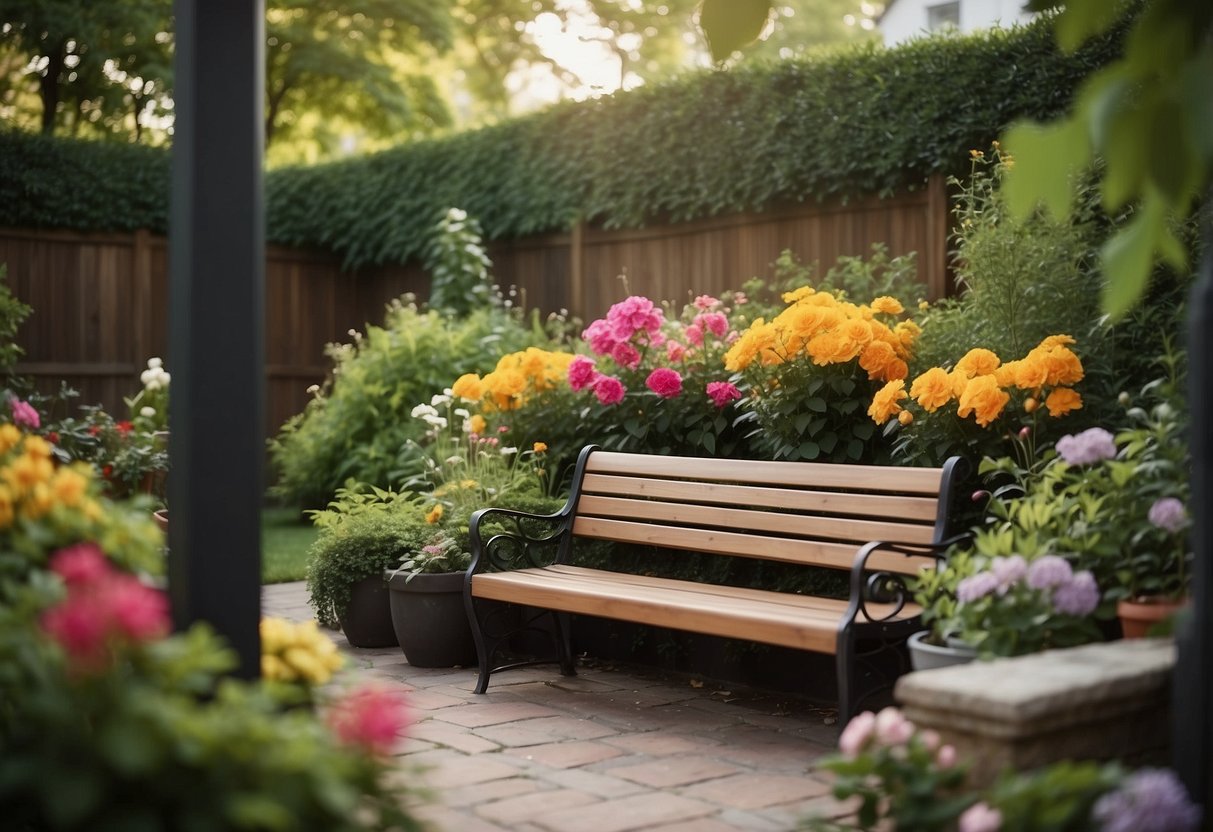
(483, 652)
(564, 644)
(848, 684)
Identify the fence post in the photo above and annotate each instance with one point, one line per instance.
(141, 297)
(577, 269)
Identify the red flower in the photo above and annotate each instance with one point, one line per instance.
(107, 472)
(53, 437)
(124, 427)
(371, 716)
(93, 430)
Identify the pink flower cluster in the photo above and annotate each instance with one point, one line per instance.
(1092, 445)
(24, 414)
(665, 382)
(104, 609)
(722, 392)
(633, 319)
(372, 717)
(584, 375)
(890, 729)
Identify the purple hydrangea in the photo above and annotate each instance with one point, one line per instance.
(1008, 572)
(1169, 514)
(1079, 597)
(1149, 800)
(1092, 445)
(1049, 571)
(976, 587)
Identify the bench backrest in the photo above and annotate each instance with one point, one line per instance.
(799, 512)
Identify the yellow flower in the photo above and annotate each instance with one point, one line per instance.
(876, 358)
(1062, 400)
(434, 514)
(896, 369)
(885, 403)
(9, 437)
(923, 305)
(38, 502)
(1063, 367)
(69, 486)
(932, 389)
(887, 305)
(905, 417)
(796, 295)
(6, 507)
(857, 331)
(1032, 372)
(1057, 341)
(978, 362)
(984, 399)
(468, 386)
(468, 484)
(477, 424)
(275, 670)
(539, 447)
(37, 447)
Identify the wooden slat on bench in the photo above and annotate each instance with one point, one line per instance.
(861, 505)
(805, 526)
(878, 478)
(808, 552)
(803, 622)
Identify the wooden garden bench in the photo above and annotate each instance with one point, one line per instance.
(880, 523)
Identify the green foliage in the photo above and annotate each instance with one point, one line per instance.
(1147, 115)
(12, 314)
(458, 266)
(362, 534)
(1058, 798)
(867, 120)
(124, 456)
(358, 427)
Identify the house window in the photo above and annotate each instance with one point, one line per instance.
(942, 16)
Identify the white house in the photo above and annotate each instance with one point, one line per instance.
(905, 19)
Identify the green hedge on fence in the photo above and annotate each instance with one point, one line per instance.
(868, 120)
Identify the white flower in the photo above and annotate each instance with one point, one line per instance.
(508, 451)
(435, 421)
(154, 384)
(313, 390)
(454, 460)
(145, 378)
(147, 412)
(165, 378)
(462, 412)
(456, 215)
(154, 363)
(423, 410)
(439, 399)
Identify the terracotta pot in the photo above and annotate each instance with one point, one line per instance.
(927, 656)
(161, 518)
(431, 621)
(1141, 615)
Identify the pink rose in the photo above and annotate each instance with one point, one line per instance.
(581, 372)
(945, 757)
(372, 717)
(83, 563)
(892, 728)
(722, 392)
(665, 382)
(713, 322)
(695, 335)
(857, 734)
(600, 338)
(632, 315)
(24, 414)
(609, 390)
(674, 351)
(705, 302)
(980, 818)
(626, 355)
(138, 612)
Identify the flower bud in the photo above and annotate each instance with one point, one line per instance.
(980, 495)
(1030, 404)
(1024, 433)
(905, 417)
(1123, 398)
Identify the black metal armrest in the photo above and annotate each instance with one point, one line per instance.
(887, 587)
(504, 550)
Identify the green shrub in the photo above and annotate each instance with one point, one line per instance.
(864, 120)
(12, 314)
(358, 427)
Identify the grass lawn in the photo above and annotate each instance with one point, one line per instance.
(285, 538)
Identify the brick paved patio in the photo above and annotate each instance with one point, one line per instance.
(607, 751)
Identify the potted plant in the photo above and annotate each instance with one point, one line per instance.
(363, 533)
(426, 598)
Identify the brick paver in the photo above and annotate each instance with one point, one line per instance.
(612, 749)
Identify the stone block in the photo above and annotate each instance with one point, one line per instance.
(1099, 701)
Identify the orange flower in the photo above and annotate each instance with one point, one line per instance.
(887, 305)
(539, 447)
(876, 357)
(932, 389)
(468, 386)
(1062, 400)
(984, 399)
(978, 362)
(885, 404)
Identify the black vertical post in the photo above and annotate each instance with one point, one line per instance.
(216, 296)
(1192, 718)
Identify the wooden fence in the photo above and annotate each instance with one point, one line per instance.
(101, 300)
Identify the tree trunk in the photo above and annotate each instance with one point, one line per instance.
(49, 86)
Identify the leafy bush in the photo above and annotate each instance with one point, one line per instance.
(109, 724)
(358, 427)
(12, 314)
(865, 120)
(458, 266)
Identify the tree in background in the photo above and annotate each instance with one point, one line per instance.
(103, 66)
(334, 66)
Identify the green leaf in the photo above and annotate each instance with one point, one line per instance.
(809, 450)
(729, 25)
(816, 404)
(1046, 156)
(1127, 259)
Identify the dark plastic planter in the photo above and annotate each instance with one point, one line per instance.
(367, 621)
(430, 620)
